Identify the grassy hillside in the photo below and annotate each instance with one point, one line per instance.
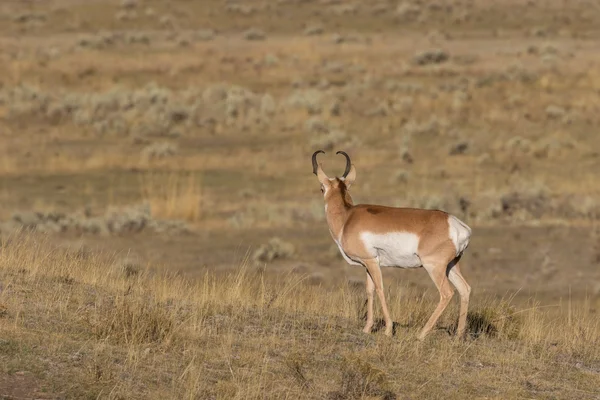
(163, 235)
(79, 325)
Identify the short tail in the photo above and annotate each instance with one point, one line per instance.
(460, 233)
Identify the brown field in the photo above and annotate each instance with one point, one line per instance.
(163, 235)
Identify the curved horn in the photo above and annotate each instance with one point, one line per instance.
(314, 160)
(348, 163)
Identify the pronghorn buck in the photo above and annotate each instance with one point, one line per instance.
(377, 236)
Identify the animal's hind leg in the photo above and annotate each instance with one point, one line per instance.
(437, 272)
(464, 290)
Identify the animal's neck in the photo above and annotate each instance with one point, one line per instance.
(337, 212)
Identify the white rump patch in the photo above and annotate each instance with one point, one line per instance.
(459, 232)
(394, 249)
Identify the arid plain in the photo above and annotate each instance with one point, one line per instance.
(164, 237)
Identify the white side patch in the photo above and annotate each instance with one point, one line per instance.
(394, 249)
(459, 232)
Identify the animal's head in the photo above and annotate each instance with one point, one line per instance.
(335, 187)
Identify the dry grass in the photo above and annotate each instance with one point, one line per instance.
(84, 327)
(485, 109)
(173, 195)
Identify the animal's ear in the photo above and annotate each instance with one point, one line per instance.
(349, 179)
(324, 179)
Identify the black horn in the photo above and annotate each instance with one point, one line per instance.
(348, 163)
(314, 160)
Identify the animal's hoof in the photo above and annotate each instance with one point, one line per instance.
(461, 337)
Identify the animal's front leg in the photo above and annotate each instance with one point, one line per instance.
(370, 290)
(375, 272)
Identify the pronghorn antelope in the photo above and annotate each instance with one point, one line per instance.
(377, 236)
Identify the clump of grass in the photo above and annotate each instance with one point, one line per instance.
(132, 322)
(130, 266)
(360, 379)
(159, 150)
(380, 110)
(539, 31)
(495, 320)
(555, 112)
(313, 30)
(403, 104)
(296, 363)
(329, 140)
(334, 67)
(338, 38)
(343, 9)
(427, 57)
(311, 100)
(243, 9)
(30, 17)
(204, 34)
(275, 248)
(316, 125)
(528, 199)
(459, 148)
(167, 21)
(405, 152)
(400, 176)
(406, 87)
(380, 8)
(407, 11)
(254, 34)
(137, 38)
(126, 15)
(99, 41)
(518, 143)
(173, 195)
(433, 126)
(130, 4)
(271, 60)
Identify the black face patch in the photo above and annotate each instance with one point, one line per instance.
(373, 211)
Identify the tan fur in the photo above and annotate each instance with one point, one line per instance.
(436, 250)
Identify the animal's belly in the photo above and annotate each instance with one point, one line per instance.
(398, 259)
(394, 249)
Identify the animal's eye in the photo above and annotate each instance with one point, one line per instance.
(322, 190)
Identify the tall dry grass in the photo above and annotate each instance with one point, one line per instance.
(173, 195)
(85, 326)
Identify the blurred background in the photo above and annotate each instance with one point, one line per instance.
(178, 134)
